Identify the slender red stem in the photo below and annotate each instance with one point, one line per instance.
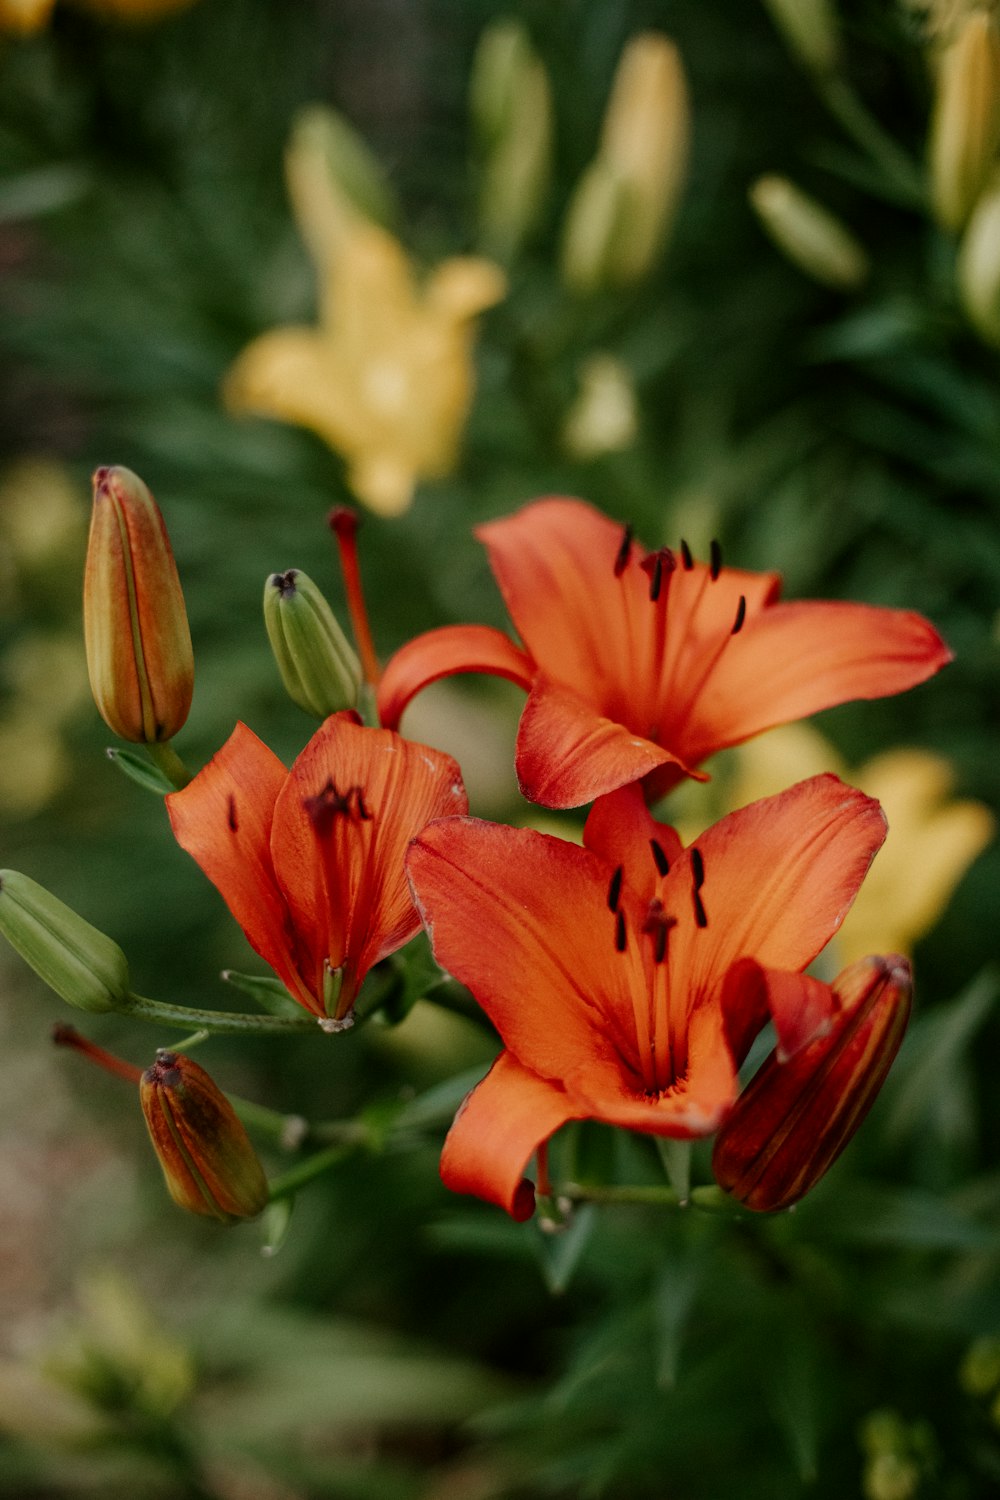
(68, 1036)
(343, 522)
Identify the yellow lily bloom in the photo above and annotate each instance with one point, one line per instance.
(386, 377)
(932, 838)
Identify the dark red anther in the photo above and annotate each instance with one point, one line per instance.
(697, 868)
(715, 562)
(686, 557)
(700, 915)
(620, 932)
(231, 816)
(343, 521)
(657, 926)
(659, 565)
(329, 804)
(660, 860)
(615, 888)
(624, 552)
(741, 614)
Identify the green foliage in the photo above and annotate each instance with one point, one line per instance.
(405, 1343)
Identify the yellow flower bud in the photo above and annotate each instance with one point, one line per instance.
(811, 236)
(82, 965)
(318, 665)
(810, 29)
(978, 268)
(208, 1163)
(135, 625)
(965, 129)
(622, 208)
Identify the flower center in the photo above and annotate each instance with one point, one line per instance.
(660, 1017)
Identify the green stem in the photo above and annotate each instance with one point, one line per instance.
(866, 132)
(710, 1199)
(169, 762)
(322, 1161)
(215, 1022)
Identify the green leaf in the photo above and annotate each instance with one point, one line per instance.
(139, 770)
(270, 994)
(560, 1247)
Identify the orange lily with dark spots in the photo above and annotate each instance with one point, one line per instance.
(607, 969)
(639, 666)
(311, 861)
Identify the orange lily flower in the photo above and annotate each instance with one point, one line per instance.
(310, 861)
(639, 666)
(606, 968)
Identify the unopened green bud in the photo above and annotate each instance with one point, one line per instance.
(318, 665)
(978, 267)
(810, 29)
(811, 236)
(82, 965)
(208, 1162)
(135, 625)
(511, 107)
(965, 129)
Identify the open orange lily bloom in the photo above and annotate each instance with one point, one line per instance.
(638, 666)
(310, 861)
(606, 969)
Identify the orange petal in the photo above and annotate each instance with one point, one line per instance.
(581, 621)
(341, 869)
(621, 828)
(568, 754)
(794, 659)
(223, 819)
(445, 653)
(779, 877)
(801, 1007)
(497, 1130)
(523, 920)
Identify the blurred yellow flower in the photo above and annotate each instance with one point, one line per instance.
(386, 377)
(931, 843)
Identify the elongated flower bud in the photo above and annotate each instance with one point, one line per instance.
(511, 108)
(82, 965)
(965, 129)
(622, 209)
(810, 29)
(978, 268)
(208, 1162)
(811, 236)
(796, 1116)
(135, 625)
(318, 666)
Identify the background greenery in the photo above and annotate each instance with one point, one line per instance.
(404, 1342)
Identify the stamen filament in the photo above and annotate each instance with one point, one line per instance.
(343, 522)
(64, 1035)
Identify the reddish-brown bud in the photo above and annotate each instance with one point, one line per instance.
(796, 1116)
(135, 625)
(208, 1162)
